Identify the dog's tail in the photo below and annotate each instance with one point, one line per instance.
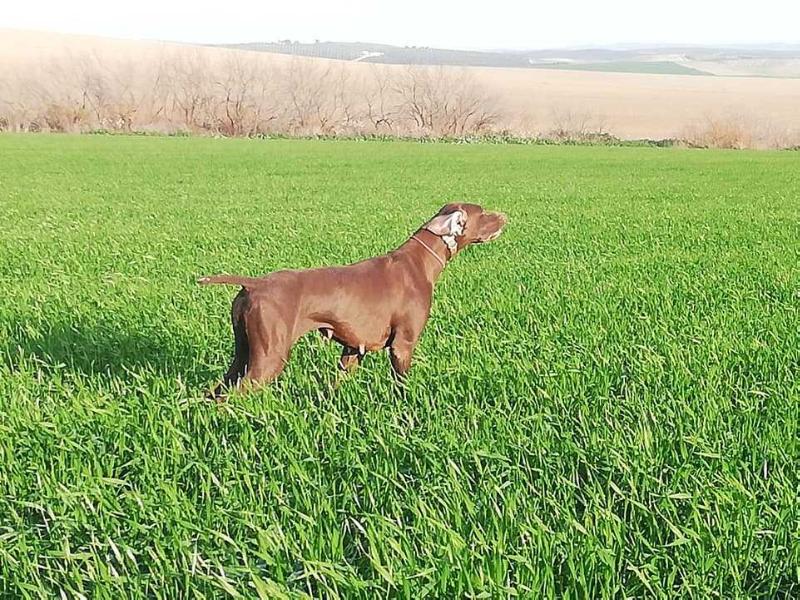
(245, 282)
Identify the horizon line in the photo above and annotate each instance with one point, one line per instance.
(585, 45)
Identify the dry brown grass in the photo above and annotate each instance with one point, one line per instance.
(737, 132)
(78, 83)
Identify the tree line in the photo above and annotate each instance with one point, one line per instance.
(238, 94)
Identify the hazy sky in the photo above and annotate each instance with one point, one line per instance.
(443, 23)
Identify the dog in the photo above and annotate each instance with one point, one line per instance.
(377, 303)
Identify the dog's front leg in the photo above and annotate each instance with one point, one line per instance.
(400, 353)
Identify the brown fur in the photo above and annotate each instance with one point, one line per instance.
(381, 302)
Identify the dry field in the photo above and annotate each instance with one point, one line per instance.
(68, 82)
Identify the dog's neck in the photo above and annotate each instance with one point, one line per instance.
(429, 251)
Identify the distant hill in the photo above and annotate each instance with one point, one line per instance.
(766, 61)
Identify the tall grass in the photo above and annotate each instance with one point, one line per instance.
(604, 403)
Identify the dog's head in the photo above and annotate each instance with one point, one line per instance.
(461, 224)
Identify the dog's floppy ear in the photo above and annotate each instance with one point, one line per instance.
(450, 224)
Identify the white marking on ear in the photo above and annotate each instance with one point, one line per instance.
(449, 224)
(447, 227)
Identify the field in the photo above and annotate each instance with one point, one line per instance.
(605, 402)
(88, 83)
(654, 67)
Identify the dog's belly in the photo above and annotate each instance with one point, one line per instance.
(366, 337)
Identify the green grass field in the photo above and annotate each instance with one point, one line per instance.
(622, 66)
(605, 402)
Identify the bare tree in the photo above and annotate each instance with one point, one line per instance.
(16, 102)
(266, 100)
(439, 101)
(303, 90)
(62, 104)
(235, 86)
(317, 97)
(246, 96)
(191, 93)
(380, 108)
(343, 109)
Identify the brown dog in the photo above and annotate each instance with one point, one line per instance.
(381, 302)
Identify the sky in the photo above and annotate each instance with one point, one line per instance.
(467, 24)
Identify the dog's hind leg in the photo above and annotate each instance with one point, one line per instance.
(264, 368)
(269, 344)
(241, 350)
(241, 353)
